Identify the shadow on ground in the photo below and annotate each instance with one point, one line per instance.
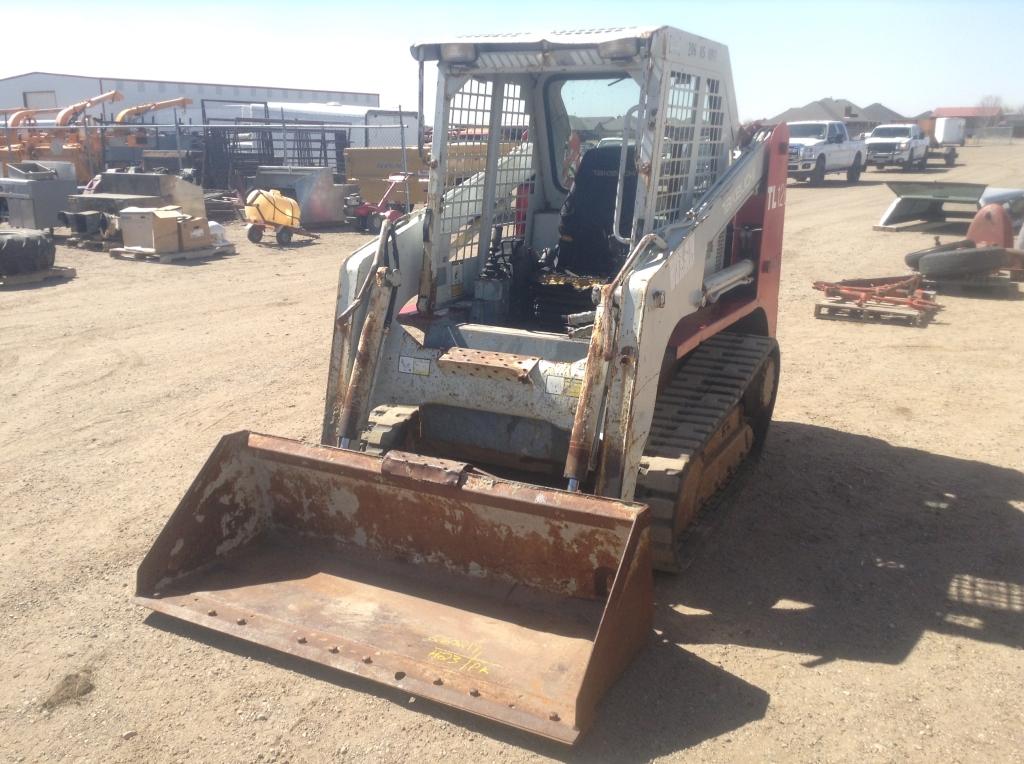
(843, 546)
(835, 546)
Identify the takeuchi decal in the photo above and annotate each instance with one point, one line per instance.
(776, 196)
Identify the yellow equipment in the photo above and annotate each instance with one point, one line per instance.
(272, 209)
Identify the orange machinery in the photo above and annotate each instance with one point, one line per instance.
(26, 140)
(137, 136)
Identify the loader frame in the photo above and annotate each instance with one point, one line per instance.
(466, 531)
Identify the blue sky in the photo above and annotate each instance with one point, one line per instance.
(909, 55)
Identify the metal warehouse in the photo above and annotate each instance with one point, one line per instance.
(48, 89)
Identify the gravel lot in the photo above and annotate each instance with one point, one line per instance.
(863, 599)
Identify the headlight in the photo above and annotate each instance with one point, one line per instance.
(904, 144)
(807, 152)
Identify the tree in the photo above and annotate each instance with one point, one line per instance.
(992, 102)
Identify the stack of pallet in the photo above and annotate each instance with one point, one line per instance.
(166, 234)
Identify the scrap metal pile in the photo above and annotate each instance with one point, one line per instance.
(985, 261)
(899, 299)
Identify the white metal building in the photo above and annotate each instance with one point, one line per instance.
(47, 89)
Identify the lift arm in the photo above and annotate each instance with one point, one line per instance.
(69, 113)
(22, 116)
(133, 111)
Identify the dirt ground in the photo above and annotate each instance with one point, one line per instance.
(862, 601)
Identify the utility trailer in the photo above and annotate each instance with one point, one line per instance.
(535, 385)
(945, 134)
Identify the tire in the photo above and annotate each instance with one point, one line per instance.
(254, 233)
(909, 164)
(283, 236)
(25, 250)
(374, 223)
(950, 159)
(817, 176)
(913, 259)
(962, 262)
(853, 173)
(923, 164)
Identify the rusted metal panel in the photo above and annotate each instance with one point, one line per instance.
(428, 468)
(357, 392)
(585, 423)
(511, 601)
(486, 363)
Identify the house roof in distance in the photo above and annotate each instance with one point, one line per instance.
(837, 109)
(979, 112)
(877, 112)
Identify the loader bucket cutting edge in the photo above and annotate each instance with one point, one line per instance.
(511, 601)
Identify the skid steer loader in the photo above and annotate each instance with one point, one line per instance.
(535, 384)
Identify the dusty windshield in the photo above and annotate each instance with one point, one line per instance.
(584, 114)
(816, 130)
(891, 132)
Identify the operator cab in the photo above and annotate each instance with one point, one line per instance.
(549, 164)
(566, 161)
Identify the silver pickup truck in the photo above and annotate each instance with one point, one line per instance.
(821, 147)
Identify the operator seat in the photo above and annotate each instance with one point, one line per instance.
(584, 245)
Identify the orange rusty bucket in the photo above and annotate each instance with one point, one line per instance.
(515, 602)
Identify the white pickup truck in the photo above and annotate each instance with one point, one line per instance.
(903, 146)
(818, 148)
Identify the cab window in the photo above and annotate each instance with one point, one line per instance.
(584, 114)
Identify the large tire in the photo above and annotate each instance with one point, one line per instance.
(962, 262)
(853, 173)
(25, 250)
(914, 258)
(817, 176)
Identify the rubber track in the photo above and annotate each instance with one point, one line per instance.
(705, 388)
